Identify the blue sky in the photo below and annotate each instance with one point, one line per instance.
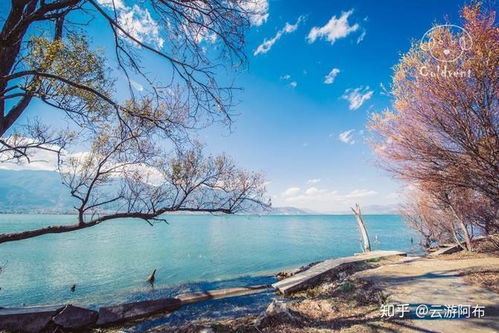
(303, 129)
(291, 122)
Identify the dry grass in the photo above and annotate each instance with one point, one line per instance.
(488, 279)
(463, 255)
(484, 248)
(489, 245)
(239, 325)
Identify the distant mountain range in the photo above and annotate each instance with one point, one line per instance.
(33, 191)
(291, 211)
(30, 191)
(374, 210)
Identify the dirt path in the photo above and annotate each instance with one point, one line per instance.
(438, 281)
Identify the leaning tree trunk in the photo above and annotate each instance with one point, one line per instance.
(454, 235)
(464, 229)
(362, 228)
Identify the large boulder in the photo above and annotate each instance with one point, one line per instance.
(73, 317)
(32, 319)
(124, 312)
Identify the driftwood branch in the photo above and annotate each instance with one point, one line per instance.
(366, 244)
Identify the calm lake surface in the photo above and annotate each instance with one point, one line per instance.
(110, 262)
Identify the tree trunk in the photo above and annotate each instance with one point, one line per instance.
(454, 235)
(362, 228)
(43, 231)
(57, 229)
(465, 231)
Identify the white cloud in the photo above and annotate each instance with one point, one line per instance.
(324, 199)
(199, 34)
(329, 79)
(136, 21)
(356, 97)
(43, 160)
(293, 84)
(286, 77)
(313, 191)
(347, 137)
(335, 29)
(258, 11)
(148, 174)
(111, 4)
(137, 86)
(314, 181)
(291, 191)
(355, 194)
(361, 37)
(40, 160)
(268, 43)
(140, 25)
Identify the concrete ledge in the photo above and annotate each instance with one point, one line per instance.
(306, 278)
(219, 293)
(32, 319)
(123, 312)
(74, 317)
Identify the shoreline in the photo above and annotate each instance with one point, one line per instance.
(110, 315)
(267, 276)
(329, 305)
(183, 316)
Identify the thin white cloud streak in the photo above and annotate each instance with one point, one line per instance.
(347, 137)
(361, 37)
(267, 44)
(334, 29)
(137, 86)
(331, 76)
(356, 97)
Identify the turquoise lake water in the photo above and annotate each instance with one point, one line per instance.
(110, 262)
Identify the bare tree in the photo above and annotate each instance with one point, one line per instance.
(126, 177)
(64, 73)
(141, 161)
(443, 132)
(429, 213)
